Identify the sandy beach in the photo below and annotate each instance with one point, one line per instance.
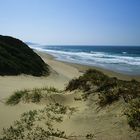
(61, 73)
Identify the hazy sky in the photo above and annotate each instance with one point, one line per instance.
(92, 22)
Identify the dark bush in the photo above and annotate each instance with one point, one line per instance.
(91, 77)
(36, 96)
(74, 84)
(16, 58)
(111, 90)
(94, 76)
(108, 97)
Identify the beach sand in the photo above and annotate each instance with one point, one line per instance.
(61, 73)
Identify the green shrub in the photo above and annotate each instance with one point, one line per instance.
(36, 96)
(74, 84)
(91, 77)
(110, 90)
(108, 97)
(133, 114)
(94, 76)
(38, 124)
(16, 97)
(52, 89)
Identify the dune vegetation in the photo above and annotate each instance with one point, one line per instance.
(17, 58)
(40, 124)
(110, 90)
(32, 95)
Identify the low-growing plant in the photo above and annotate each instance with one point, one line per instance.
(74, 84)
(108, 97)
(53, 89)
(50, 89)
(38, 124)
(34, 95)
(90, 136)
(16, 97)
(91, 77)
(110, 90)
(133, 114)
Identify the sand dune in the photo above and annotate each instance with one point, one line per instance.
(60, 75)
(108, 123)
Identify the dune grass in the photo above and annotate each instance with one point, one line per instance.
(110, 90)
(16, 97)
(31, 95)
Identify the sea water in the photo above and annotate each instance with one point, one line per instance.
(122, 59)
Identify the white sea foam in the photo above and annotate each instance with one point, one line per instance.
(96, 57)
(113, 61)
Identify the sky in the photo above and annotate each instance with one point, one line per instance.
(72, 22)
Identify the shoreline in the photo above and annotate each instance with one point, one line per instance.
(82, 68)
(60, 74)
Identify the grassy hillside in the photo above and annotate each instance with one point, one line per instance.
(16, 58)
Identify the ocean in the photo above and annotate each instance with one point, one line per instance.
(121, 59)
